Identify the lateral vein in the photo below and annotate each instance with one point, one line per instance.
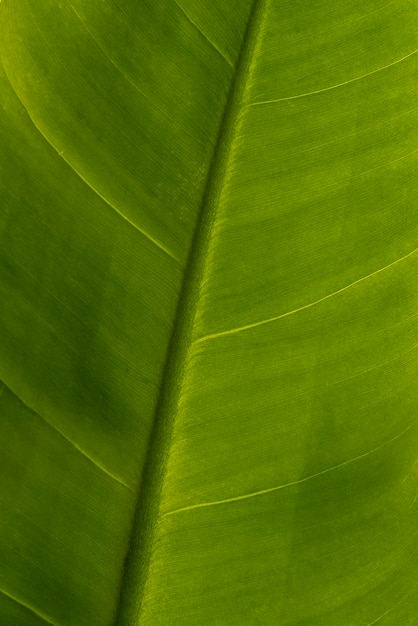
(346, 82)
(204, 35)
(28, 607)
(111, 60)
(261, 492)
(393, 607)
(85, 181)
(239, 329)
(72, 443)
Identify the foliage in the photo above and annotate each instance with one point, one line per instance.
(208, 313)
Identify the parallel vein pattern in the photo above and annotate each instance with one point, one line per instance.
(306, 196)
(110, 113)
(150, 204)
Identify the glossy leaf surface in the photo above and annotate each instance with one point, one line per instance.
(208, 237)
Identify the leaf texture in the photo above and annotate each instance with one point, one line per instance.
(208, 267)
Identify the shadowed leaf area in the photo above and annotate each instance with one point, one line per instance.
(208, 313)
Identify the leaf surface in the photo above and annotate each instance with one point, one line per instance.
(208, 284)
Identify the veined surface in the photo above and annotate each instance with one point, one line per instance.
(260, 466)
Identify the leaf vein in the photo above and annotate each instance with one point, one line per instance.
(28, 607)
(85, 181)
(110, 59)
(261, 492)
(239, 329)
(205, 36)
(393, 607)
(72, 443)
(347, 82)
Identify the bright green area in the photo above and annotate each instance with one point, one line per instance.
(260, 467)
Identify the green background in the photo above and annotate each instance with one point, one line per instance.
(208, 236)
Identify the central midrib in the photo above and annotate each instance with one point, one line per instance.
(149, 496)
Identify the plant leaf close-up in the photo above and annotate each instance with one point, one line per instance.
(208, 312)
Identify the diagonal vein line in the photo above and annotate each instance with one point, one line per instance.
(223, 55)
(393, 607)
(347, 82)
(360, 132)
(349, 547)
(28, 607)
(106, 54)
(74, 445)
(383, 165)
(302, 308)
(343, 380)
(85, 181)
(291, 484)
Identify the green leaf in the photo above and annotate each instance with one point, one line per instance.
(208, 296)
